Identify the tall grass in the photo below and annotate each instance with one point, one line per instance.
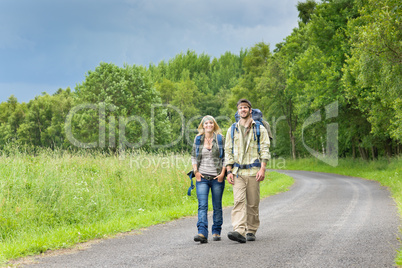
(57, 199)
(386, 171)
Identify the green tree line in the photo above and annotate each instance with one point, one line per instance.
(341, 67)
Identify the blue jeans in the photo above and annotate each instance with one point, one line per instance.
(202, 188)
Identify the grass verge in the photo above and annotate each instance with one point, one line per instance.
(388, 172)
(56, 200)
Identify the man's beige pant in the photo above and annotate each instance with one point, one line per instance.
(245, 213)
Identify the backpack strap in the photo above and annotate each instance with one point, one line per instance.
(197, 145)
(190, 175)
(232, 131)
(256, 163)
(220, 145)
(258, 132)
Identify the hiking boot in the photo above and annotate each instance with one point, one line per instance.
(236, 236)
(216, 237)
(250, 237)
(200, 238)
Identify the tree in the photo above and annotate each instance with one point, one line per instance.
(12, 115)
(278, 98)
(306, 9)
(166, 89)
(125, 97)
(254, 65)
(186, 100)
(373, 72)
(36, 122)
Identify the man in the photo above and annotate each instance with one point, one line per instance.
(246, 163)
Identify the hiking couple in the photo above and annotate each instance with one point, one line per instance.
(243, 159)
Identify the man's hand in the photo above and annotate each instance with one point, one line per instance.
(230, 178)
(260, 175)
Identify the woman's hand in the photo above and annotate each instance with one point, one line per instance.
(219, 177)
(198, 176)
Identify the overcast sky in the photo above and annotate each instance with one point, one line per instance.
(47, 44)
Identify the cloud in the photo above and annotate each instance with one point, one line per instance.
(48, 42)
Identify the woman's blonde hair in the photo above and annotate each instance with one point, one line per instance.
(217, 129)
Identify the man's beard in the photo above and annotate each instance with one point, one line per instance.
(245, 117)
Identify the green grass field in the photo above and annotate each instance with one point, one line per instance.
(386, 171)
(57, 199)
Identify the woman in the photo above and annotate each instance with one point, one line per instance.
(209, 169)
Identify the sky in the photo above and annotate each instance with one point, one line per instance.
(46, 44)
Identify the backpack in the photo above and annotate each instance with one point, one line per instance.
(256, 114)
(197, 151)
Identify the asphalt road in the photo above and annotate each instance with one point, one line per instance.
(324, 220)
